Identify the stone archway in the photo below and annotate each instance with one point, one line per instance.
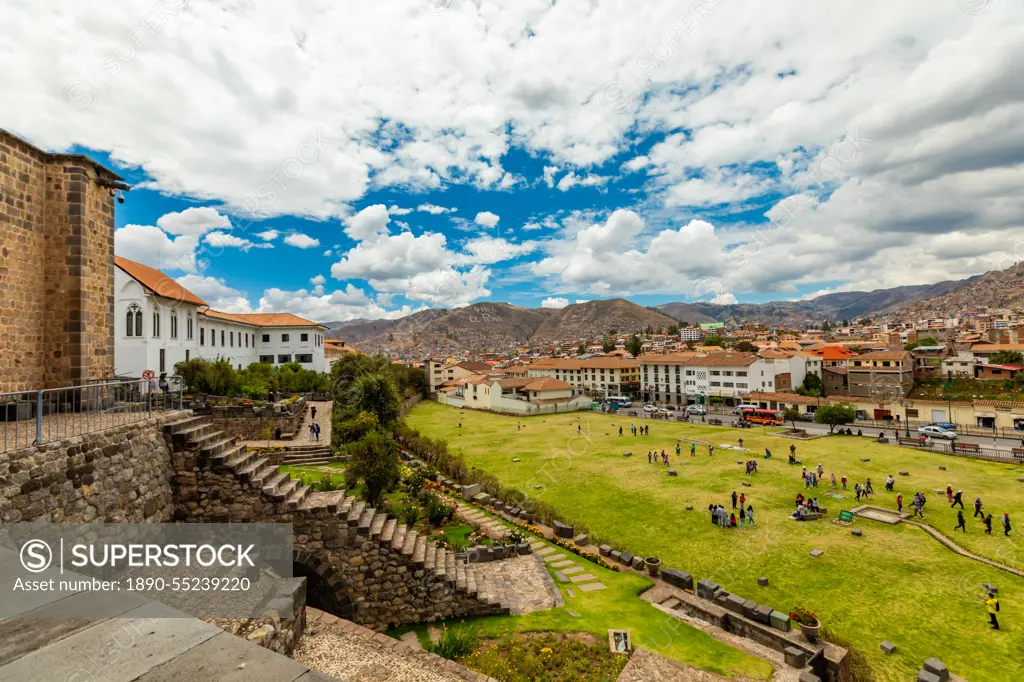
(325, 586)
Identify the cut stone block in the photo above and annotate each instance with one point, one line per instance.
(469, 491)
(554, 557)
(626, 558)
(562, 576)
(499, 505)
(745, 484)
(615, 555)
(515, 459)
(482, 498)
(689, 507)
(677, 578)
(538, 486)
(735, 603)
(705, 588)
(524, 548)
(591, 587)
(605, 550)
(857, 532)
(795, 658)
(574, 570)
(750, 608)
(763, 582)
(888, 647)
(904, 473)
(925, 676)
(673, 472)
(638, 563)
(942, 468)
(562, 530)
(816, 553)
(514, 511)
(780, 621)
(563, 564)
(764, 615)
(581, 540)
(627, 454)
(865, 459)
(937, 668)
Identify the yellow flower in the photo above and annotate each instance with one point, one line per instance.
(546, 650)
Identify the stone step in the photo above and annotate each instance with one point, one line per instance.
(471, 587)
(211, 435)
(270, 484)
(306, 452)
(419, 552)
(286, 488)
(366, 520)
(237, 457)
(377, 525)
(263, 474)
(191, 436)
(183, 424)
(328, 501)
(449, 565)
(429, 550)
(251, 472)
(409, 546)
(460, 576)
(217, 446)
(356, 512)
(398, 539)
(312, 461)
(388, 531)
(295, 500)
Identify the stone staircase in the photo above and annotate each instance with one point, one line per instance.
(312, 454)
(294, 501)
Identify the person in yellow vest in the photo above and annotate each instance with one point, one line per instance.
(993, 608)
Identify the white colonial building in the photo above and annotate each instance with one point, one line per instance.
(158, 323)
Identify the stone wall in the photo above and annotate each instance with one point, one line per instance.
(365, 579)
(56, 267)
(120, 475)
(251, 427)
(278, 632)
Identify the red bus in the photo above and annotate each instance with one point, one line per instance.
(761, 416)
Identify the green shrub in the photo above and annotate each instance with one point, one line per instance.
(454, 644)
(410, 515)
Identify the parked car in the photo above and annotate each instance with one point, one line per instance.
(945, 425)
(696, 409)
(650, 408)
(664, 412)
(805, 417)
(934, 431)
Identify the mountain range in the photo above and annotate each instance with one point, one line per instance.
(500, 327)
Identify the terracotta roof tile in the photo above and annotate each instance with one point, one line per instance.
(262, 319)
(547, 384)
(157, 282)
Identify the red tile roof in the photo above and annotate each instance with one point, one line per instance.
(157, 282)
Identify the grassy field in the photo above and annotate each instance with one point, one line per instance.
(618, 606)
(893, 583)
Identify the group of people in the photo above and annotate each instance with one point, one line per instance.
(805, 506)
(739, 517)
(961, 523)
(652, 456)
(637, 430)
(751, 466)
(812, 477)
(314, 428)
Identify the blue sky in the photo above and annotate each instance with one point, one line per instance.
(717, 151)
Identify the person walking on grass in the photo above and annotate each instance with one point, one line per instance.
(856, 489)
(678, 449)
(743, 499)
(1006, 524)
(949, 493)
(961, 523)
(993, 608)
(844, 482)
(711, 450)
(620, 430)
(648, 456)
(899, 503)
(988, 524)
(833, 479)
(693, 449)
(743, 518)
(958, 499)
(734, 498)
(750, 515)
(977, 508)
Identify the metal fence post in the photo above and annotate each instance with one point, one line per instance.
(39, 417)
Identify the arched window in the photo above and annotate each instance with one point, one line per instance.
(174, 324)
(156, 322)
(188, 326)
(134, 321)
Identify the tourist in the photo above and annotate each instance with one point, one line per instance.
(856, 488)
(767, 453)
(316, 430)
(821, 470)
(741, 443)
(792, 451)
(713, 510)
(868, 488)
(743, 518)
(648, 456)
(792, 459)
(919, 507)
(958, 499)
(889, 482)
(988, 524)
(949, 493)
(833, 479)
(732, 520)
(859, 432)
(807, 481)
(899, 503)
(579, 428)
(961, 523)
(844, 482)
(734, 498)
(620, 430)
(678, 449)
(993, 608)
(711, 450)
(647, 430)
(743, 499)
(1006, 524)
(977, 508)
(311, 431)
(693, 449)
(312, 412)
(750, 515)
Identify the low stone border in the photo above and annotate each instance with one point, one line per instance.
(320, 619)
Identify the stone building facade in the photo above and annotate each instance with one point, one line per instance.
(56, 267)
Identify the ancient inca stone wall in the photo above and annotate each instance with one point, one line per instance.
(120, 475)
(56, 268)
(368, 580)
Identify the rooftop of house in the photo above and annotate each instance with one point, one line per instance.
(262, 319)
(546, 384)
(156, 282)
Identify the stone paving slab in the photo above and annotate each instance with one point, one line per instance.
(583, 578)
(562, 564)
(591, 587)
(546, 551)
(573, 570)
(226, 658)
(158, 635)
(553, 557)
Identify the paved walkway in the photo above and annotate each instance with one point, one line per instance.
(522, 584)
(355, 654)
(323, 418)
(646, 666)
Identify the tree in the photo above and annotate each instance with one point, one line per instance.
(713, 341)
(835, 415)
(812, 384)
(1007, 357)
(374, 458)
(791, 414)
(745, 347)
(866, 320)
(826, 327)
(607, 346)
(377, 393)
(926, 341)
(634, 346)
(673, 330)
(581, 349)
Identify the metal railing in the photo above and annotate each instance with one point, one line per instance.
(30, 418)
